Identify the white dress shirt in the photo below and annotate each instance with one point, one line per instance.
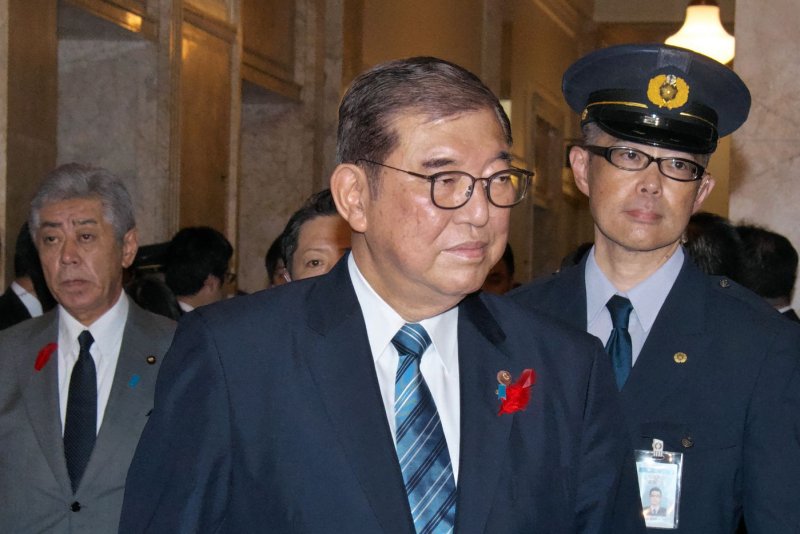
(107, 333)
(647, 298)
(28, 299)
(439, 364)
(185, 307)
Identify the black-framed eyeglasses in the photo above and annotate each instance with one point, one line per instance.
(632, 159)
(452, 189)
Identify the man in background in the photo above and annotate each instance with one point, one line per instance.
(769, 267)
(315, 237)
(196, 266)
(76, 384)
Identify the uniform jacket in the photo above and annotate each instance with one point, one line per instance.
(731, 407)
(268, 418)
(34, 485)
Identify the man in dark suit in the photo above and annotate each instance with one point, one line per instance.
(711, 399)
(769, 267)
(76, 384)
(27, 296)
(196, 266)
(386, 395)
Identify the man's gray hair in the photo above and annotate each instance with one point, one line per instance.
(73, 180)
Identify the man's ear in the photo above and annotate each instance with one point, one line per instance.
(350, 191)
(706, 186)
(130, 245)
(212, 283)
(579, 161)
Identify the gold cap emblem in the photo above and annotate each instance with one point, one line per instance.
(668, 91)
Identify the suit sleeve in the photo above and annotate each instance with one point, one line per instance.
(180, 472)
(607, 491)
(771, 451)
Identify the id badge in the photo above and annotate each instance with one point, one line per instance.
(659, 474)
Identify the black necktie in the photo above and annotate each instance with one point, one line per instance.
(619, 342)
(80, 426)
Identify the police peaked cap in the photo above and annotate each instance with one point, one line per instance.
(657, 95)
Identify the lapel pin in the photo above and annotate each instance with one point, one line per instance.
(503, 381)
(515, 396)
(134, 381)
(44, 356)
(151, 359)
(680, 357)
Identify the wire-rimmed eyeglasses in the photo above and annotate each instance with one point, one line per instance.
(632, 159)
(452, 189)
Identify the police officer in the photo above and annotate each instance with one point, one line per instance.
(708, 375)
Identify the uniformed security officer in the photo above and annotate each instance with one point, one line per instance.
(708, 374)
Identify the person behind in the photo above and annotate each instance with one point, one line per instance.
(274, 264)
(27, 296)
(151, 293)
(76, 384)
(500, 279)
(704, 368)
(769, 267)
(315, 237)
(297, 410)
(196, 266)
(714, 245)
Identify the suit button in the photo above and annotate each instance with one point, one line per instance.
(687, 442)
(75, 507)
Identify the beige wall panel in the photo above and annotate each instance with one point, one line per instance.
(30, 110)
(107, 116)
(205, 128)
(765, 154)
(546, 39)
(450, 29)
(217, 9)
(268, 33)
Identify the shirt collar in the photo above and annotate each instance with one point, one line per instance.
(647, 297)
(383, 322)
(105, 329)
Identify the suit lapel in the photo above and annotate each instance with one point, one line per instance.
(484, 435)
(131, 395)
(341, 363)
(41, 399)
(657, 372)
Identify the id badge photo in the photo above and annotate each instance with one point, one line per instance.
(659, 474)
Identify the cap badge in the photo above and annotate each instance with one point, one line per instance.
(668, 91)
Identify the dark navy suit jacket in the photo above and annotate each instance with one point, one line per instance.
(268, 418)
(12, 310)
(732, 408)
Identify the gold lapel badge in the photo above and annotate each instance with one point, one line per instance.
(680, 357)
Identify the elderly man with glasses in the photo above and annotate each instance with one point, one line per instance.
(707, 374)
(389, 395)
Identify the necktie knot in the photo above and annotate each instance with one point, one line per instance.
(411, 340)
(620, 309)
(85, 340)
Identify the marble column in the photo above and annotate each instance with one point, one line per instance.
(765, 157)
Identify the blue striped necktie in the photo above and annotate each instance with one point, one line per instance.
(619, 344)
(421, 446)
